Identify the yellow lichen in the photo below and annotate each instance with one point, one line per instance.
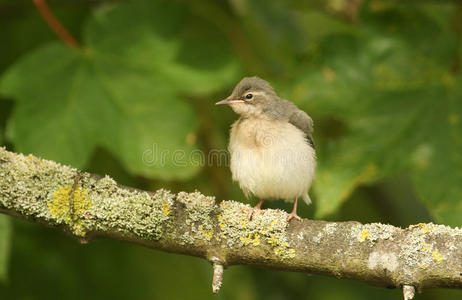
(253, 239)
(165, 208)
(270, 226)
(426, 247)
(426, 227)
(364, 235)
(60, 207)
(245, 239)
(281, 248)
(256, 239)
(272, 240)
(221, 222)
(437, 256)
(244, 225)
(284, 251)
(207, 234)
(423, 266)
(291, 252)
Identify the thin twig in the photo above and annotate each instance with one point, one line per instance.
(217, 275)
(55, 25)
(408, 292)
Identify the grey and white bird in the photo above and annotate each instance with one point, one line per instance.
(271, 145)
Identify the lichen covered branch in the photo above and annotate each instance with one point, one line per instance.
(88, 206)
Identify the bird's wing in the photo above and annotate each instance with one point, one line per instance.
(303, 122)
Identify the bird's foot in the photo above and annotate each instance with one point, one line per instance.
(252, 211)
(293, 215)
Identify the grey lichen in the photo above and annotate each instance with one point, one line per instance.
(330, 228)
(373, 232)
(420, 250)
(265, 228)
(383, 260)
(128, 211)
(198, 209)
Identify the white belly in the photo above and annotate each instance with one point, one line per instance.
(271, 159)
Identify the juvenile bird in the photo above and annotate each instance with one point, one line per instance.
(271, 145)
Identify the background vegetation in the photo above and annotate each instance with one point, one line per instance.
(381, 79)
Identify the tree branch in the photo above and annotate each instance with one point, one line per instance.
(420, 256)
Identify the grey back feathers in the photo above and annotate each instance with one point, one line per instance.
(302, 121)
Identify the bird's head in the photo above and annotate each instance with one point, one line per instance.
(252, 96)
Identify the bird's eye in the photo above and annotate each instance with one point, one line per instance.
(249, 96)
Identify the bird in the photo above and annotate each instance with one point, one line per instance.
(271, 147)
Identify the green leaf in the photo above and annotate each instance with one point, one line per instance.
(126, 90)
(396, 106)
(5, 111)
(5, 242)
(438, 157)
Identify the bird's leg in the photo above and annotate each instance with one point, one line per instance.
(258, 206)
(293, 214)
(255, 208)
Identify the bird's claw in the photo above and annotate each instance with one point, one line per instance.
(293, 215)
(251, 212)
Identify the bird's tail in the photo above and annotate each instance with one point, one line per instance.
(307, 199)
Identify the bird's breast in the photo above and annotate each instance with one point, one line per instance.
(260, 136)
(271, 158)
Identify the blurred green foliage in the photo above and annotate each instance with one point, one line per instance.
(381, 79)
(5, 240)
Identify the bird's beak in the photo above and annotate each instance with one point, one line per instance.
(229, 101)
